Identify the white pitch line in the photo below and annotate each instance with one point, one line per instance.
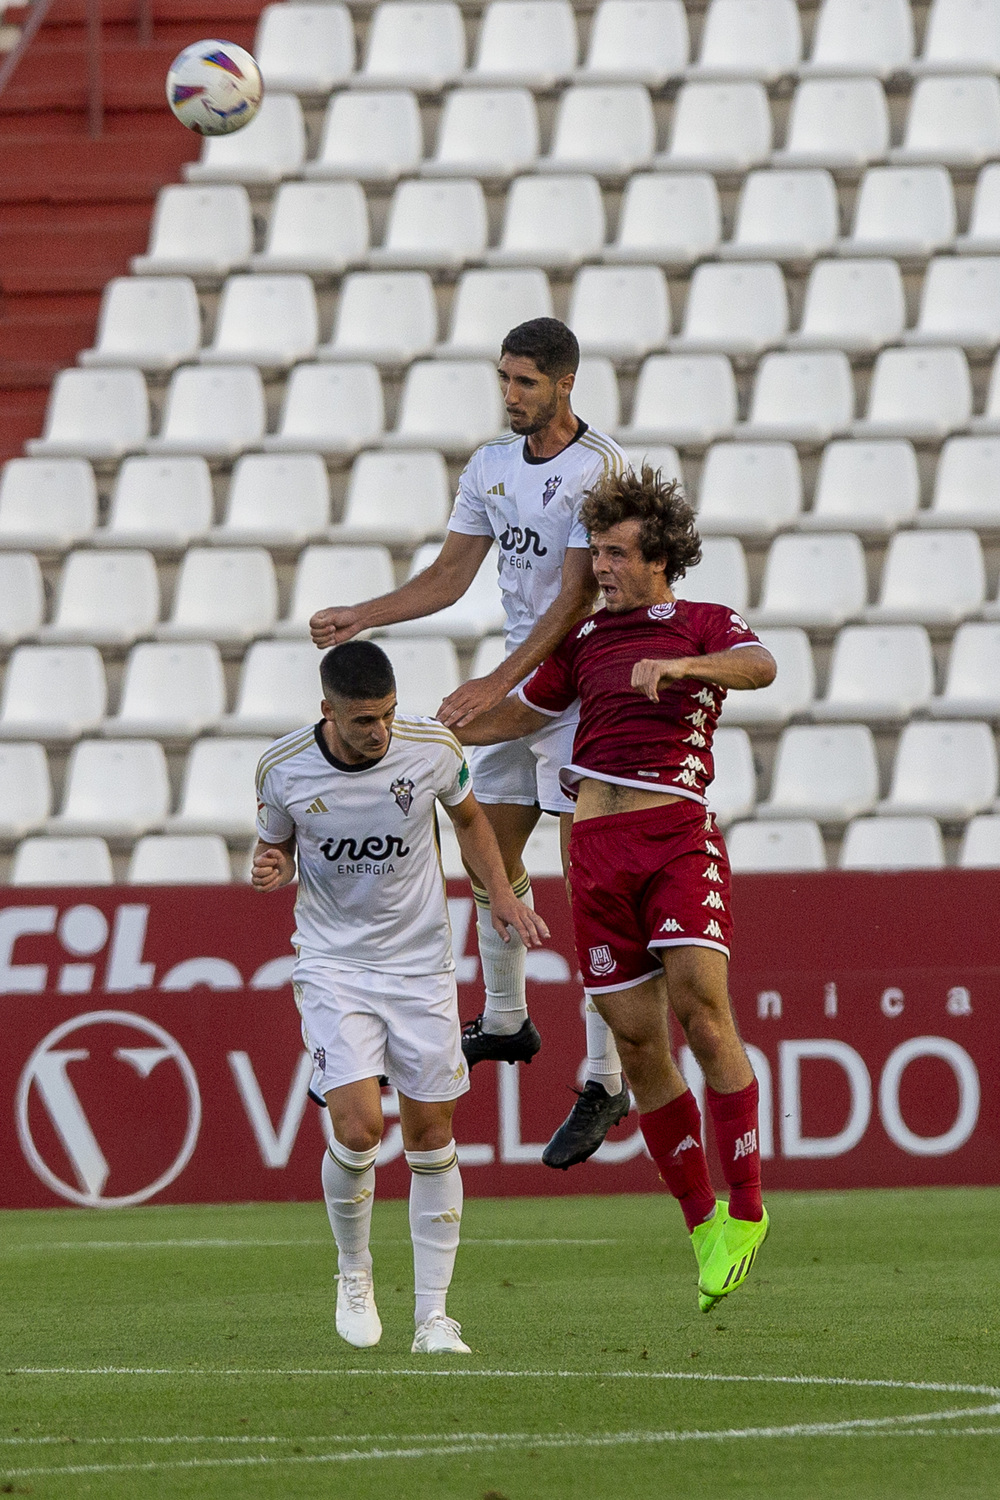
(219, 1244)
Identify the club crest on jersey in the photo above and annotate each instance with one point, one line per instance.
(551, 485)
(601, 961)
(662, 611)
(402, 790)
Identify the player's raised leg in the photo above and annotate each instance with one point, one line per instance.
(436, 1200)
(349, 1191)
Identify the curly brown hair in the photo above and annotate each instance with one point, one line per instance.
(666, 521)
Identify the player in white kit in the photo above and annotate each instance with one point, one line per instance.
(523, 491)
(354, 798)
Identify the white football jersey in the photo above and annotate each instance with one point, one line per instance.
(532, 507)
(371, 886)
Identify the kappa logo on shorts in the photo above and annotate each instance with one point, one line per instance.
(402, 790)
(712, 849)
(713, 930)
(712, 873)
(714, 899)
(601, 961)
(671, 925)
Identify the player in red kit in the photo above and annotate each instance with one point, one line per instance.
(648, 871)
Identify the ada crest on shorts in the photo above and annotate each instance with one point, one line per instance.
(601, 961)
(402, 790)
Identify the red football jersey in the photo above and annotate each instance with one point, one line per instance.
(622, 736)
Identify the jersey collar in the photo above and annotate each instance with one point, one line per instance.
(581, 429)
(342, 765)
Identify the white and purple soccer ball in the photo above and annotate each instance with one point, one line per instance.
(214, 88)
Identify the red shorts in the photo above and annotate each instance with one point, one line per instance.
(658, 878)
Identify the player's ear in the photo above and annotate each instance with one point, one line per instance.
(326, 709)
(565, 384)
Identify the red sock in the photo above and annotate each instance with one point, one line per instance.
(673, 1135)
(735, 1119)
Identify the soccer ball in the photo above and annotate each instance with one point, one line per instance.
(214, 87)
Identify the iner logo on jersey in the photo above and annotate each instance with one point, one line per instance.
(516, 541)
(374, 847)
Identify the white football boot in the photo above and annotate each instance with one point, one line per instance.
(439, 1335)
(358, 1322)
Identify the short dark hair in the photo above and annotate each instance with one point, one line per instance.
(667, 530)
(548, 342)
(358, 670)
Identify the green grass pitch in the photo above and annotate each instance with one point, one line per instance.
(190, 1352)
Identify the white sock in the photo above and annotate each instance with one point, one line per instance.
(349, 1190)
(604, 1066)
(506, 1009)
(435, 1220)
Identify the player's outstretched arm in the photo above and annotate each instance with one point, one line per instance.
(743, 667)
(273, 865)
(481, 852)
(511, 719)
(446, 580)
(575, 599)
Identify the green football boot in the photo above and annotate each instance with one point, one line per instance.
(705, 1238)
(727, 1257)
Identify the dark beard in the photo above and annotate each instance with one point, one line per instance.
(542, 420)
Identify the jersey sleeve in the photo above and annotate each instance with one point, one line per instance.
(469, 514)
(274, 825)
(552, 687)
(723, 628)
(456, 778)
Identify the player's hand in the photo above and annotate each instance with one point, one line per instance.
(507, 911)
(473, 698)
(269, 870)
(649, 676)
(332, 627)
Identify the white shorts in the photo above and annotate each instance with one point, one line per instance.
(357, 1023)
(526, 771)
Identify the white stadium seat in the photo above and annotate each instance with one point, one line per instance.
(855, 36)
(662, 456)
(761, 848)
(453, 405)
(487, 304)
(223, 594)
(52, 693)
(596, 397)
(335, 575)
(720, 578)
(682, 399)
(917, 393)
(99, 414)
(857, 305)
(953, 120)
(114, 790)
(176, 858)
(426, 671)
(25, 789)
(980, 848)
(620, 311)
(931, 577)
(785, 215)
(275, 500)
(435, 224)
(22, 596)
(636, 41)
(750, 39)
(159, 503)
(989, 422)
(878, 672)
(733, 790)
(330, 408)
(216, 412)
(551, 221)
(477, 613)
(902, 211)
(47, 504)
(836, 122)
(792, 690)
(375, 137)
(734, 309)
(720, 127)
(317, 227)
(671, 218)
(279, 689)
(413, 45)
(813, 581)
(486, 133)
(896, 844)
(865, 487)
(218, 794)
(108, 597)
(198, 231)
(945, 770)
(961, 36)
(984, 223)
(62, 862)
(170, 692)
(749, 489)
(826, 773)
(271, 147)
(305, 49)
(265, 320)
(529, 42)
(972, 685)
(386, 316)
(608, 129)
(967, 485)
(398, 499)
(149, 322)
(804, 398)
(960, 303)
